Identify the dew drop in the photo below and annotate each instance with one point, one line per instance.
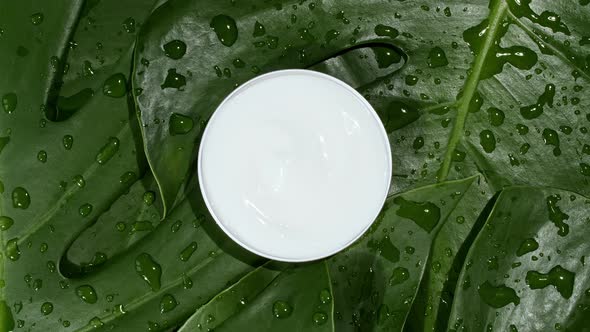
(497, 296)
(20, 198)
(187, 252)
(225, 28)
(5, 223)
(108, 151)
(167, 303)
(179, 124)
(424, 214)
(174, 80)
(68, 142)
(150, 271)
(437, 58)
(175, 49)
(560, 278)
(115, 86)
(9, 102)
(281, 309)
(399, 276)
(87, 294)
(46, 308)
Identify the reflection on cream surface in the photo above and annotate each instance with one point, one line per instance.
(294, 165)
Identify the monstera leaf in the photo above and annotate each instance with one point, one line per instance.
(102, 226)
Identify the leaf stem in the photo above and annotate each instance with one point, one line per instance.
(497, 13)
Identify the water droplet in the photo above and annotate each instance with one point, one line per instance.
(560, 278)
(526, 246)
(20, 198)
(225, 28)
(399, 275)
(418, 143)
(46, 308)
(148, 270)
(42, 156)
(386, 31)
(281, 309)
(65, 323)
(108, 151)
(411, 80)
(547, 19)
(141, 226)
(492, 263)
(149, 197)
(174, 80)
(259, 29)
(239, 63)
(496, 116)
(5, 223)
(12, 249)
(129, 25)
(557, 216)
(187, 252)
(79, 181)
(319, 318)
(167, 303)
(397, 115)
(497, 296)
(331, 35)
(85, 209)
(518, 56)
(115, 86)
(127, 178)
(325, 296)
(180, 124)
(385, 248)
(43, 247)
(95, 323)
(437, 58)
(487, 141)
(551, 137)
(68, 141)
(176, 226)
(535, 110)
(187, 282)
(458, 155)
(424, 214)
(175, 49)
(585, 169)
(385, 56)
(87, 294)
(9, 102)
(37, 18)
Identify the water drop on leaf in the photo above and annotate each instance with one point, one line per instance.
(175, 49)
(150, 271)
(87, 294)
(180, 124)
(281, 309)
(108, 151)
(225, 28)
(20, 198)
(115, 86)
(497, 296)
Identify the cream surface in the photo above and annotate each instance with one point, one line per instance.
(294, 165)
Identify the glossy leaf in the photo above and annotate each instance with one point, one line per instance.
(505, 258)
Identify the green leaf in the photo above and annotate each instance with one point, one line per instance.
(521, 272)
(192, 85)
(371, 284)
(294, 298)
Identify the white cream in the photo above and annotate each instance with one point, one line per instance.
(294, 165)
